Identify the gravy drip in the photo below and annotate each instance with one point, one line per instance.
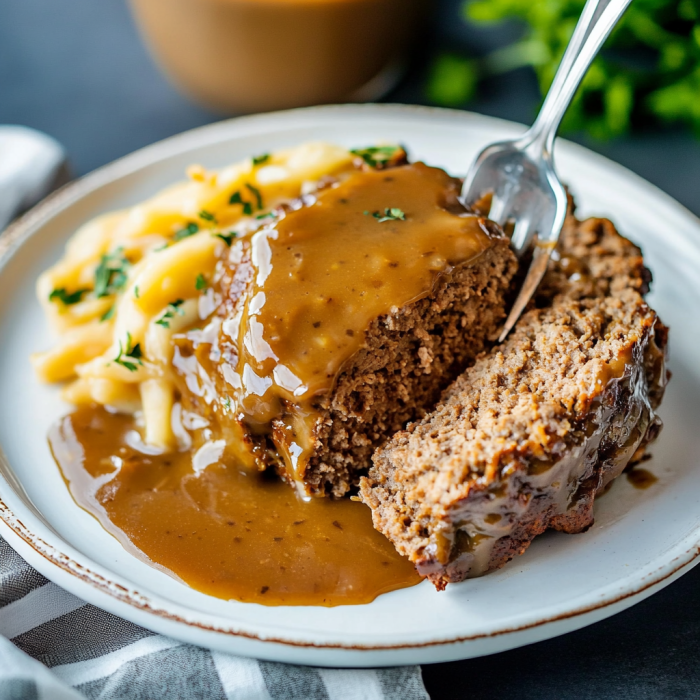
(641, 478)
(321, 275)
(225, 531)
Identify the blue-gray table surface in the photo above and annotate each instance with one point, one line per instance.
(77, 70)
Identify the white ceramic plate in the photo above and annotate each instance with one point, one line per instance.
(641, 541)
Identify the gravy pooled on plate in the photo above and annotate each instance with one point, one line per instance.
(224, 531)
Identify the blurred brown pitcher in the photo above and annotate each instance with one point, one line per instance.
(260, 55)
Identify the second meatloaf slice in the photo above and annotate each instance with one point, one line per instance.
(525, 439)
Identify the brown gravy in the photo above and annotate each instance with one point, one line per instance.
(319, 276)
(225, 531)
(641, 478)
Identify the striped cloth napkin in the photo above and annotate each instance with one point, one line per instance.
(55, 646)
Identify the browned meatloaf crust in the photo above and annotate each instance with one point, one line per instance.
(408, 358)
(525, 439)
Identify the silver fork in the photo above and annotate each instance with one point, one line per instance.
(520, 172)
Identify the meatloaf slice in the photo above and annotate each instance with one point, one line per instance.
(321, 437)
(408, 357)
(525, 439)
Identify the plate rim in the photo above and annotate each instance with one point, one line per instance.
(682, 556)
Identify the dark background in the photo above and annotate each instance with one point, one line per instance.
(77, 70)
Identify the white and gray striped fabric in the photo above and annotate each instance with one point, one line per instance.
(61, 648)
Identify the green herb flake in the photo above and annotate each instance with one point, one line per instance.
(259, 160)
(130, 355)
(256, 194)
(186, 232)
(60, 294)
(200, 282)
(110, 275)
(227, 238)
(136, 292)
(269, 215)
(389, 214)
(207, 216)
(107, 315)
(236, 198)
(169, 313)
(376, 156)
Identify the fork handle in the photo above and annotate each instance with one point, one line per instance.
(595, 24)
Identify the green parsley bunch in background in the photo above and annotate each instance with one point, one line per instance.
(648, 71)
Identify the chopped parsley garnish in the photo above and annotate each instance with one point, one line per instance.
(173, 308)
(110, 275)
(136, 291)
(236, 198)
(207, 216)
(259, 160)
(60, 294)
(129, 356)
(227, 238)
(200, 282)
(107, 315)
(376, 156)
(269, 215)
(186, 232)
(389, 214)
(256, 194)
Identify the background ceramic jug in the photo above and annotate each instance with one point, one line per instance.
(258, 55)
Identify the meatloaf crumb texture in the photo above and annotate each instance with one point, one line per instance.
(526, 437)
(408, 358)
